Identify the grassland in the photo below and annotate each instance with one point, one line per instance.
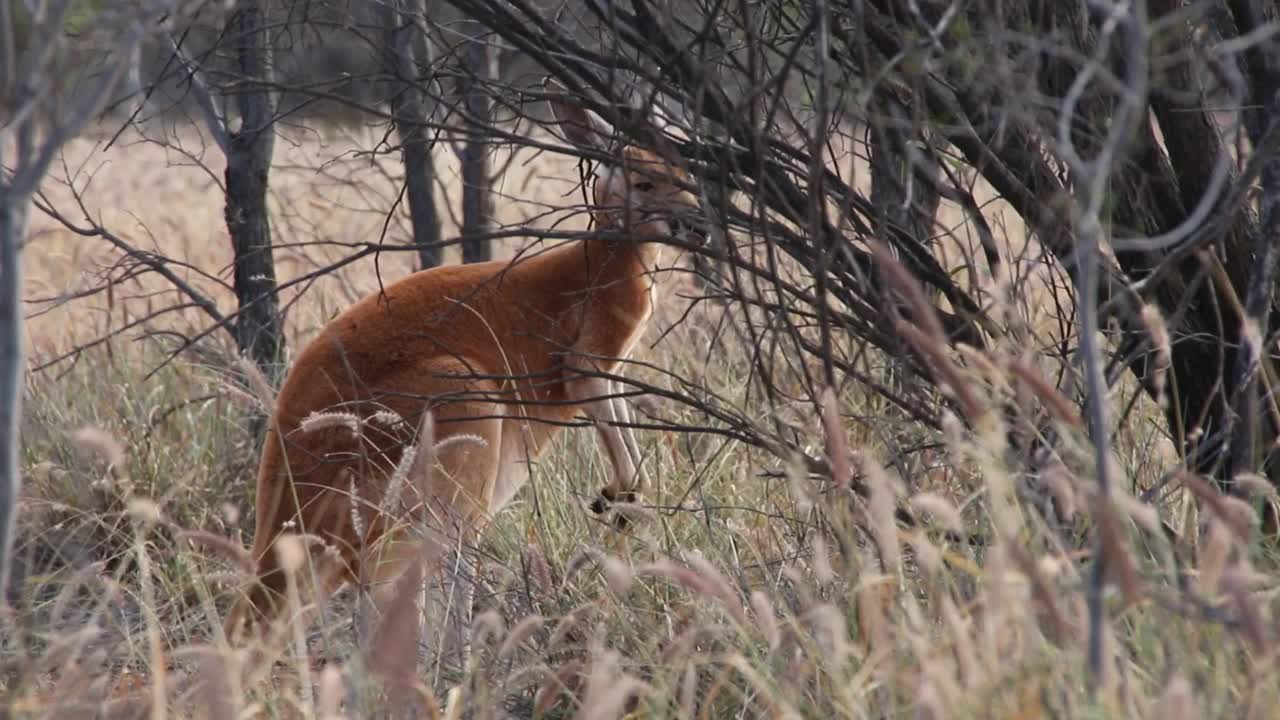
(744, 592)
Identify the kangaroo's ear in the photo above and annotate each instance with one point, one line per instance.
(578, 125)
(646, 100)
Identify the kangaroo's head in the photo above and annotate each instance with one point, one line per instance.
(636, 190)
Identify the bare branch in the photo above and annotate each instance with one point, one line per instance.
(204, 98)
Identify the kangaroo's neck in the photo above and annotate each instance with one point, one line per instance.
(625, 254)
(613, 297)
(611, 262)
(616, 280)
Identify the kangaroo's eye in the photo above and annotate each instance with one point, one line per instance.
(644, 186)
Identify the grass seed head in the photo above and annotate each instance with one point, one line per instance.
(317, 421)
(940, 509)
(92, 443)
(519, 634)
(290, 552)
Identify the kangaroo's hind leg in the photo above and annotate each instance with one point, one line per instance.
(455, 472)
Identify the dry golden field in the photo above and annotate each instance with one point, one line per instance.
(329, 196)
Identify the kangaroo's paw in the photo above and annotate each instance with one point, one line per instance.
(605, 500)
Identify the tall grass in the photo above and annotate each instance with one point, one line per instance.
(751, 597)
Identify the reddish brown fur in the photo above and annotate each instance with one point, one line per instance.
(538, 318)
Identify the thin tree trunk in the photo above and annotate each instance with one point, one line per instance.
(709, 267)
(13, 223)
(477, 203)
(258, 330)
(898, 198)
(130, 100)
(1255, 436)
(408, 108)
(899, 201)
(1249, 418)
(36, 137)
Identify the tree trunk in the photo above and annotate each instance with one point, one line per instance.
(258, 330)
(710, 270)
(13, 223)
(1255, 447)
(900, 201)
(41, 108)
(477, 203)
(898, 198)
(130, 100)
(409, 112)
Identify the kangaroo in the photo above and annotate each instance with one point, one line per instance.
(502, 354)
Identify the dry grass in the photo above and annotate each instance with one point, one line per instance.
(746, 591)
